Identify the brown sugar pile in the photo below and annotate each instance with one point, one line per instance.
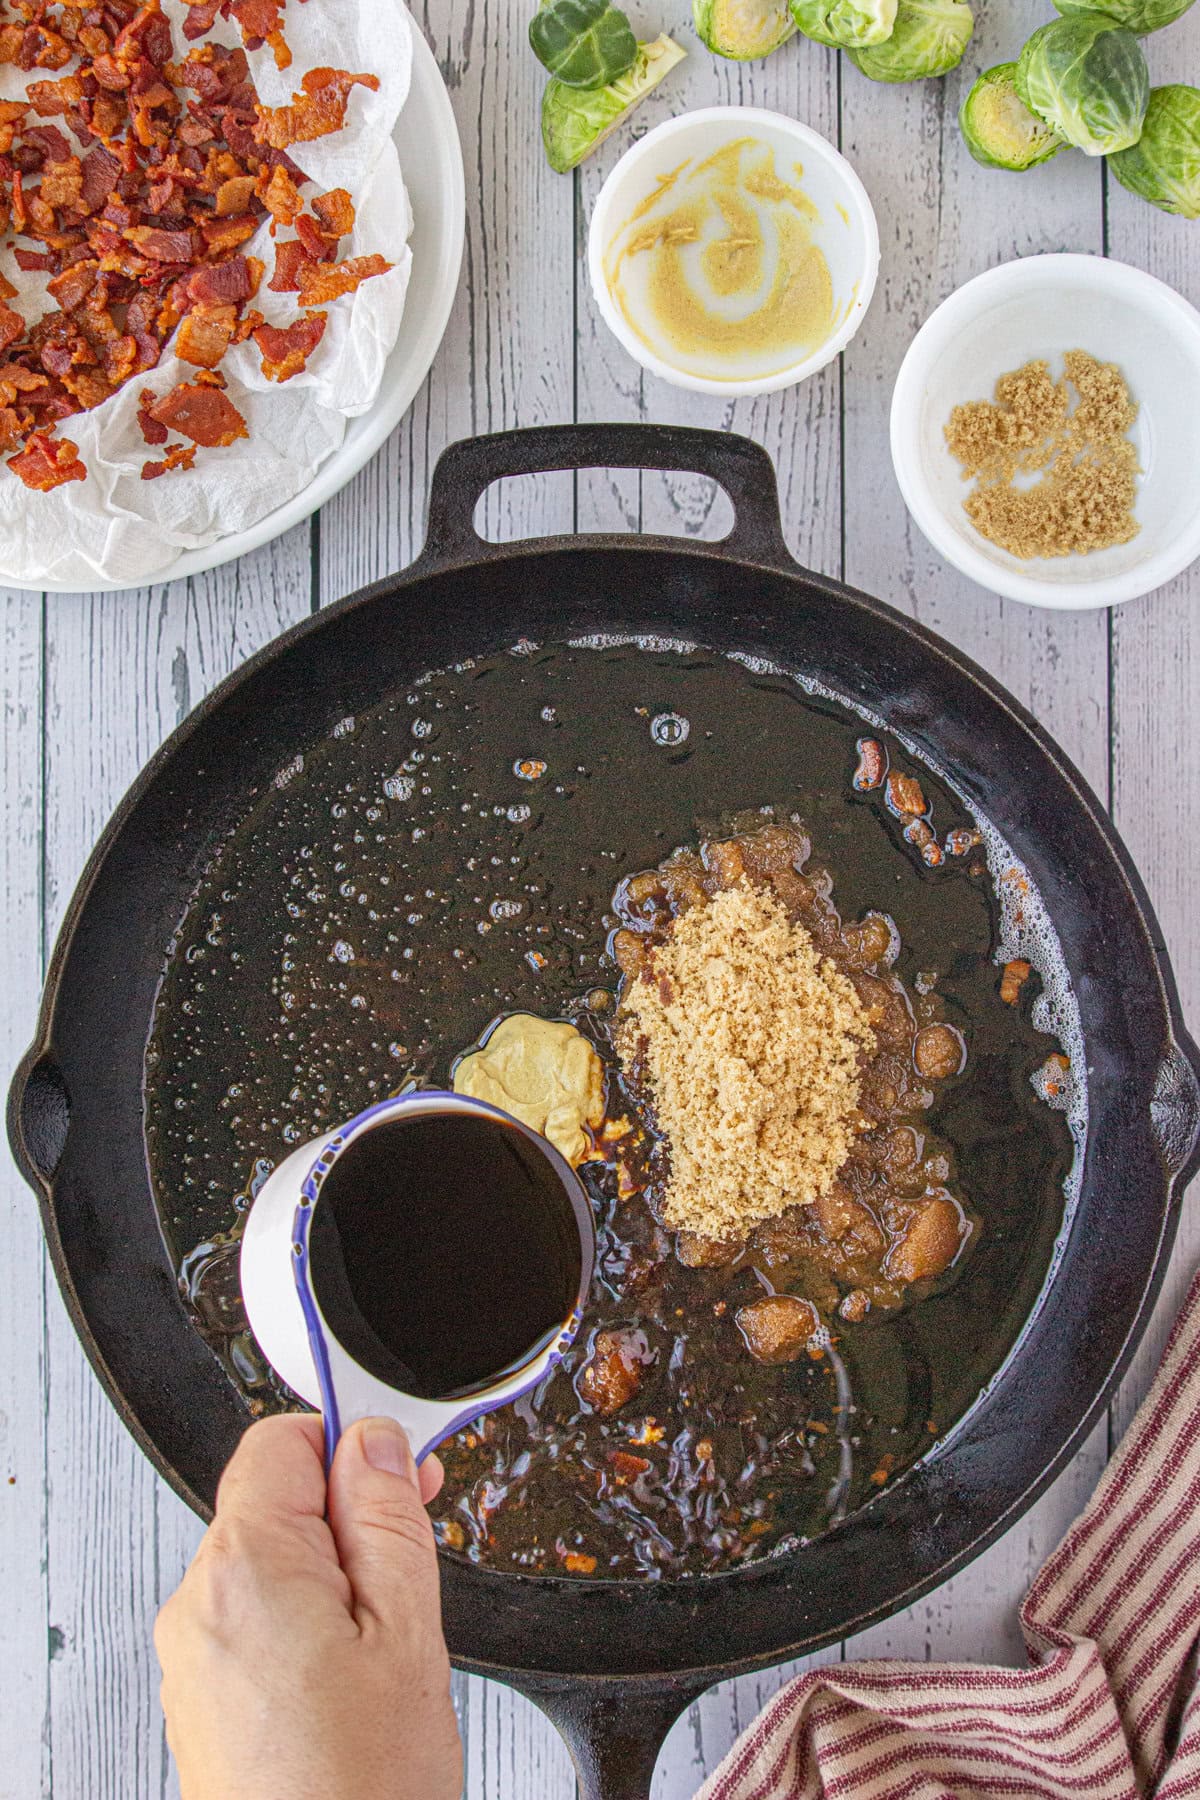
(751, 1043)
(1088, 468)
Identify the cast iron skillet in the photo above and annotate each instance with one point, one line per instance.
(614, 1662)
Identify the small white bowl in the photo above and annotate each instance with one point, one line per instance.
(1042, 306)
(846, 234)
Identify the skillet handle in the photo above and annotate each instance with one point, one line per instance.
(39, 1116)
(613, 1729)
(466, 469)
(1175, 1107)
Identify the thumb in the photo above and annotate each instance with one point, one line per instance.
(384, 1539)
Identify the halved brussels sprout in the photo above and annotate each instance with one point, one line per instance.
(846, 24)
(928, 38)
(1087, 78)
(999, 128)
(1141, 16)
(742, 29)
(575, 120)
(584, 43)
(1164, 165)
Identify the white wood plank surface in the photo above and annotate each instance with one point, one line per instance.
(90, 1541)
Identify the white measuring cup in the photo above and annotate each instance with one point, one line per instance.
(285, 1315)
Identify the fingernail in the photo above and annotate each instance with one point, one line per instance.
(385, 1446)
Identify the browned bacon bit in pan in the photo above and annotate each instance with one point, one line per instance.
(179, 456)
(200, 412)
(322, 282)
(138, 206)
(285, 352)
(317, 110)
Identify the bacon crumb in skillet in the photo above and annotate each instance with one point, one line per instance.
(285, 352)
(200, 412)
(138, 207)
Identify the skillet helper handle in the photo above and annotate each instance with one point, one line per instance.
(467, 469)
(614, 1730)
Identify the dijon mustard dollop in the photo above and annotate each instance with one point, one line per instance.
(544, 1073)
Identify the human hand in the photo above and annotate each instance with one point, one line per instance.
(304, 1660)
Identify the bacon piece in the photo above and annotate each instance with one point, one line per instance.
(224, 283)
(201, 16)
(7, 290)
(72, 287)
(101, 172)
(152, 431)
(12, 424)
(62, 183)
(48, 462)
(33, 259)
(285, 351)
(49, 98)
(49, 140)
(234, 195)
(201, 413)
(204, 335)
(326, 281)
(290, 264)
(280, 195)
(227, 234)
(120, 360)
(335, 210)
(319, 108)
(259, 23)
(179, 456)
(247, 326)
(163, 246)
(12, 326)
(317, 244)
(42, 48)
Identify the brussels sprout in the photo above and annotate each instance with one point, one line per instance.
(999, 128)
(575, 120)
(1135, 15)
(584, 43)
(846, 24)
(1164, 165)
(928, 38)
(1087, 78)
(742, 29)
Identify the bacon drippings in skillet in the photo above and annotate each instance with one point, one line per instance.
(137, 207)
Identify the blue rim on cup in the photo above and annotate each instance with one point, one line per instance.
(286, 1317)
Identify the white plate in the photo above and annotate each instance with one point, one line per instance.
(1042, 306)
(431, 159)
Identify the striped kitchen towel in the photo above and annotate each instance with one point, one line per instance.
(1109, 1708)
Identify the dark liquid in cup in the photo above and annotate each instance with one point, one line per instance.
(444, 1252)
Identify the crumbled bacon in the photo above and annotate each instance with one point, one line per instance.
(290, 264)
(179, 456)
(285, 352)
(202, 413)
(280, 195)
(47, 462)
(204, 335)
(319, 108)
(152, 431)
(335, 210)
(138, 204)
(327, 281)
(12, 326)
